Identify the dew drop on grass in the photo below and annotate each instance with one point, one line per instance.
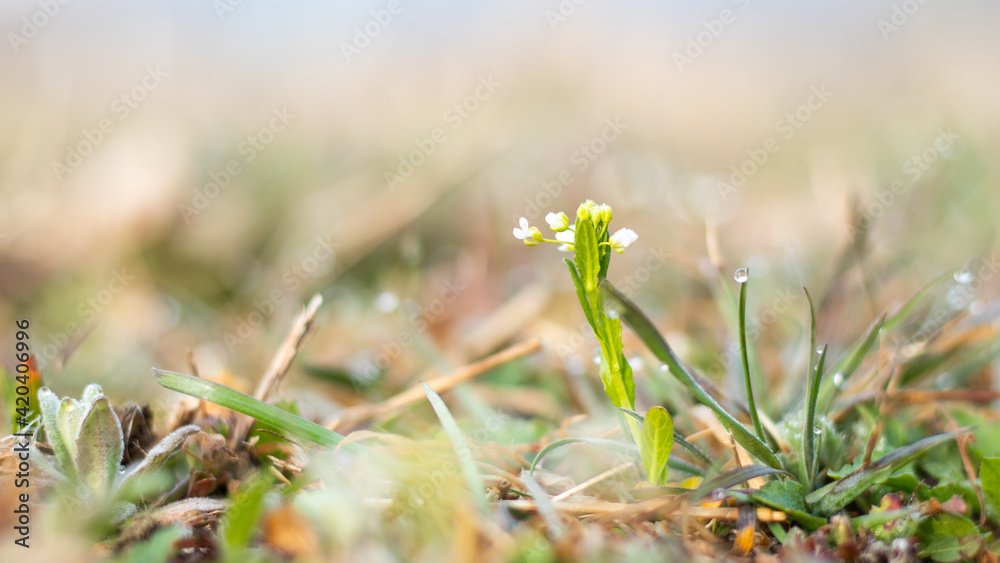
(386, 302)
(664, 368)
(818, 429)
(819, 349)
(963, 277)
(838, 380)
(741, 275)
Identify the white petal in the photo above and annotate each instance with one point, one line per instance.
(523, 222)
(624, 238)
(519, 234)
(566, 236)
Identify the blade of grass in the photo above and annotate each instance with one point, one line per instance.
(846, 367)
(733, 477)
(809, 436)
(644, 328)
(546, 507)
(900, 316)
(473, 480)
(601, 442)
(241, 402)
(744, 353)
(830, 499)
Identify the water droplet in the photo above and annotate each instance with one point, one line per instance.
(963, 277)
(741, 275)
(818, 429)
(611, 312)
(386, 302)
(636, 362)
(664, 368)
(819, 349)
(838, 379)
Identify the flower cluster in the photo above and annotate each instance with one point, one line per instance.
(565, 233)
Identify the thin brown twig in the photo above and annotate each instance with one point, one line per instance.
(352, 417)
(282, 360)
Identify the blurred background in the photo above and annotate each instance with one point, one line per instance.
(177, 178)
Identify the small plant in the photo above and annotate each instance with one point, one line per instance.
(591, 243)
(87, 447)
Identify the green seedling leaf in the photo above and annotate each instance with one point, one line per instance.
(158, 455)
(473, 480)
(91, 393)
(100, 446)
(678, 439)
(644, 328)
(745, 355)
(587, 255)
(49, 405)
(830, 499)
(948, 537)
(657, 437)
(241, 402)
(786, 496)
(989, 476)
(68, 421)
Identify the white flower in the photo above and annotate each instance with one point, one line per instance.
(622, 239)
(567, 238)
(524, 232)
(558, 222)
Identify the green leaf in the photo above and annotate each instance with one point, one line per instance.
(644, 328)
(473, 480)
(810, 451)
(657, 438)
(49, 405)
(587, 255)
(68, 421)
(897, 318)
(849, 363)
(948, 537)
(989, 476)
(830, 499)
(786, 496)
(744, 354)
(241, 402)
(159, 454)
(100, 446)
(616, 373)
